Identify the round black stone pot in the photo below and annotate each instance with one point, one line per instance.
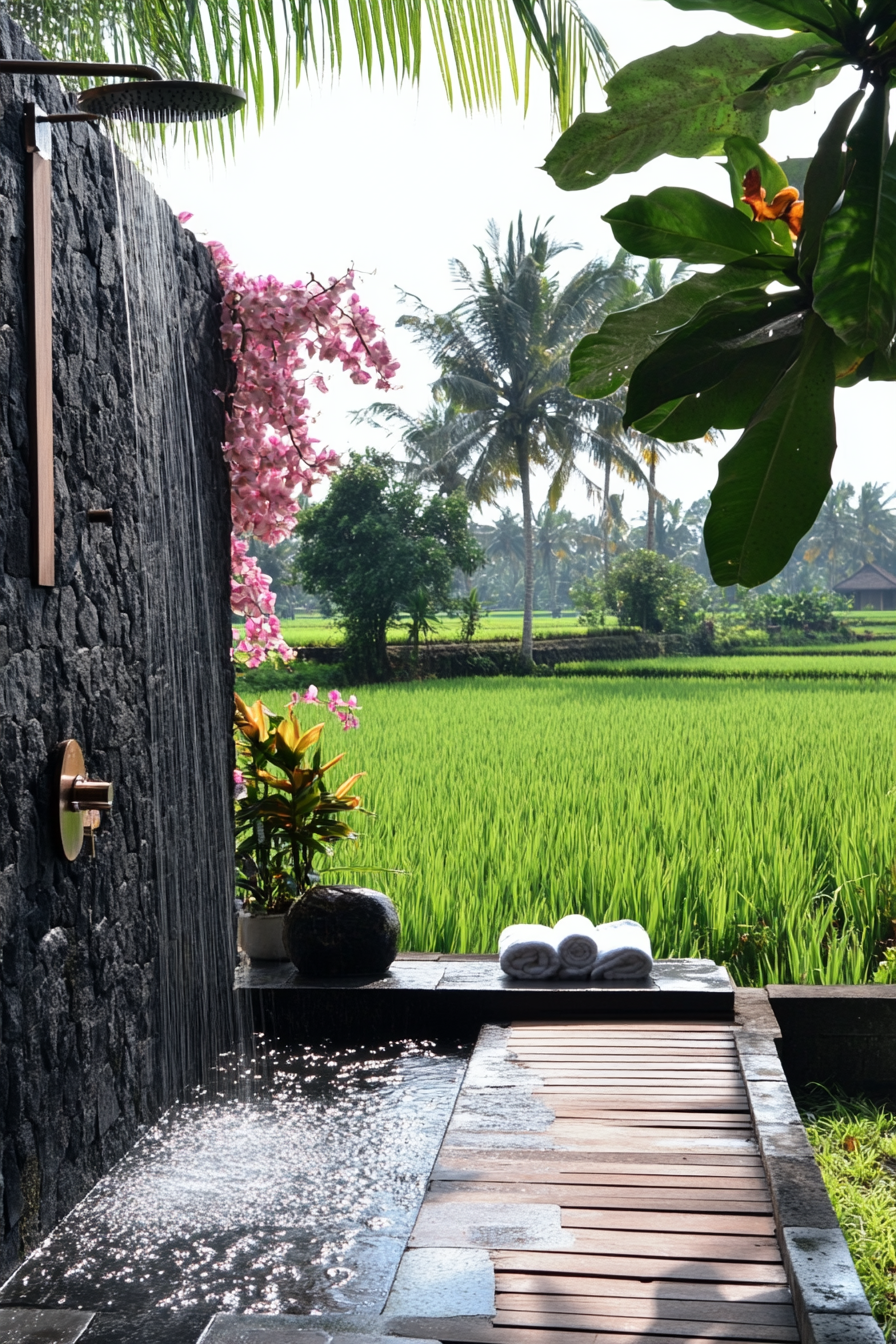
(341, 931)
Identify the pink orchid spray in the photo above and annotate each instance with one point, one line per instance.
(343, 709)
(271, 331)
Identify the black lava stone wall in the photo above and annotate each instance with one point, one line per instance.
(114, 972)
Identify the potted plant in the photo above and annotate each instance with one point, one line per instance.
(287, 821)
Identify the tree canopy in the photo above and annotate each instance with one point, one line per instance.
(375, 547)
(805, 297)
(503, 356)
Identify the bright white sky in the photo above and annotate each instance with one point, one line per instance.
(397, 183)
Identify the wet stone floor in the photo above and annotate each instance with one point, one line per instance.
(298, 1199)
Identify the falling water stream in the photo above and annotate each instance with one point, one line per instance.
(189, 786)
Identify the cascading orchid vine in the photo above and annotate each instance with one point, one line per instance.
(271, 330)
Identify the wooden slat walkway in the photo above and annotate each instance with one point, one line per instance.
(649, 1176)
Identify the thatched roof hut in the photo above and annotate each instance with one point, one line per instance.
(871, 588)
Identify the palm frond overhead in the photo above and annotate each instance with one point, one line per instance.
(265, 45)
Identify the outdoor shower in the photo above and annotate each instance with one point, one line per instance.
(78, 801)
(146, 97)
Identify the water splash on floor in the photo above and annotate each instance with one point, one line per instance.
(300, 1200)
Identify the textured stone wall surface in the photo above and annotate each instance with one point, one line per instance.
(114, 972)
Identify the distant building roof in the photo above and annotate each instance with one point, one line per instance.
(869, 578)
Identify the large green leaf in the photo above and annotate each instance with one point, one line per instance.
(678, 101)
(855, 276)
(795, 171)
(680, 222)
(810, 15)
(825, 177)
(743, 153)
(604, 360)
(775, 478)
(732, 402)
(712, 344)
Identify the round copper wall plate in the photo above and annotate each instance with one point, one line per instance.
(69, 824)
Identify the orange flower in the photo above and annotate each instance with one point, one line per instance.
(786, 205)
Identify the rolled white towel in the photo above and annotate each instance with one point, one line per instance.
(623, 951)
(576, 946)
(528, 952)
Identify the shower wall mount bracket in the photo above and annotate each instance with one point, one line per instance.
(38, 138)
(77, 802)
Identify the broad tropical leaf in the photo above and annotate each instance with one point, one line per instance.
(808, 15)
(711, 346)
(773, 482)
(680, 222)
(825, 177)
(743, 153)
(678, 101)
(795, 171)
(604, 360)
(730, 403)
(855, 277)
(263, 47)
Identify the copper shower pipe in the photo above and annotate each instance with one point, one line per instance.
(39, 261)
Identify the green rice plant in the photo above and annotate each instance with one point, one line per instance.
(305, 631)
(763, 666)
(855, 1144)
(750, 822)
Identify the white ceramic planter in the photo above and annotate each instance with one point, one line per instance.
(261, 937)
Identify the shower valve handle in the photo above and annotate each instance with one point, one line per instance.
(90, 793)
(78, 801)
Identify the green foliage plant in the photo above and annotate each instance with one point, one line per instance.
(647, 590)
(373, 546)
(810, 609)
(287, 819)
(854, 1140)
(471, 613)
(804, 299)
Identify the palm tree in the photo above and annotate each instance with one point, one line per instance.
(617, 449)
(253, 43)
(436, 445)
(652, 451)
(505, 542)
(556, 538)
(833, 535)
(875, 525)
(675, 537)
(504, 353)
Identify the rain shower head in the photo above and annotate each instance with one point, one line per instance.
(162, 100)
(146, 97)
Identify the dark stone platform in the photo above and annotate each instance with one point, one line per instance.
(428, 994)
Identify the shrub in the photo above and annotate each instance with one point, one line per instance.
(644, 589)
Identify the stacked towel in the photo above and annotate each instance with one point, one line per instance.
(576, 946)
(528, 952)
(623, 951)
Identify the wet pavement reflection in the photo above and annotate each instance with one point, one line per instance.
(297, 1198)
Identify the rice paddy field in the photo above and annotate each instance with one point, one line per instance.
(747, 821)
(310, 630)
(856, 664)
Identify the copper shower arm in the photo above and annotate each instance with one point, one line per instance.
(78, 68)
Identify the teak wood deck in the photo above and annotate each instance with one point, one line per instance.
(608, 1178)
